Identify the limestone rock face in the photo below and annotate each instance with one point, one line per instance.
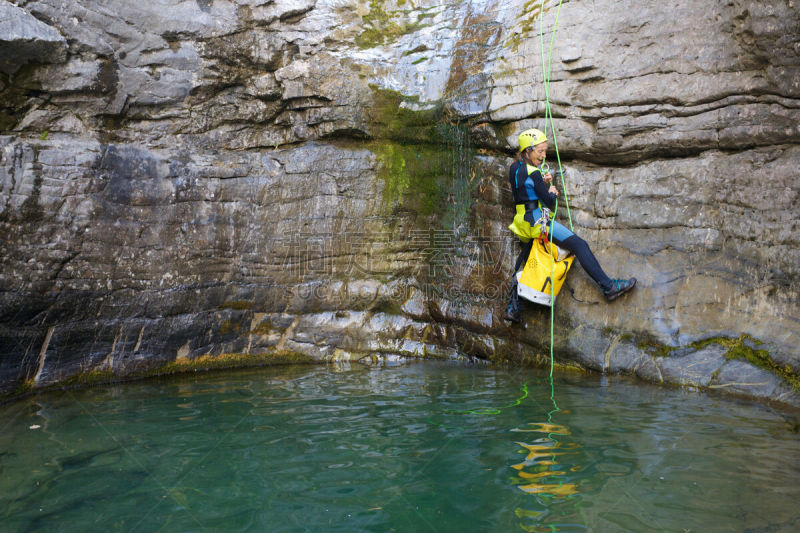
(327, 178)
(24, 38)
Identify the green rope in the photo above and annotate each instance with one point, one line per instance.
(497, 410)
(548, 111)
(548, 114)
(552, 298)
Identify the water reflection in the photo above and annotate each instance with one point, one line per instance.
(409, 449)
(547, 473)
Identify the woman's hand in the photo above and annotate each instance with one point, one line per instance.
(548, 178)
(553, 190)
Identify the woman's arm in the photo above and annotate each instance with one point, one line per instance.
(542, 190)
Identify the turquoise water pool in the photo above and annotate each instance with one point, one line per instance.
(421, 447)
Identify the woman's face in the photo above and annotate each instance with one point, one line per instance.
(537, 153)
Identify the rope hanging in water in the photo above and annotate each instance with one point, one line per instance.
(548, 116)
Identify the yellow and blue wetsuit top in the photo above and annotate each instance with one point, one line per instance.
(530, 193)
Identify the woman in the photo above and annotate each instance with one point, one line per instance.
(533, 191)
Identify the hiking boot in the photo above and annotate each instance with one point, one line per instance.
(512, 309)
(618, 288)
(513, 316)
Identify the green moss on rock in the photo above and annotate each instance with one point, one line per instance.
(384, 26)
(237, 305)
(528, 17)
(414, 176)
(178, 366)
(90, 377)
(229, 326)
(536, 360)
(742, 348)
(23, 388)
(231, 360)
(655, 348)
(264, 328)
(425, 161)
(401, 118)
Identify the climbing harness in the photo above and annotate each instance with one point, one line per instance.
(543, 220)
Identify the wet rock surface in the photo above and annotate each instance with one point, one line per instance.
(328, 179)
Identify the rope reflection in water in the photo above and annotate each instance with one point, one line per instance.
(542, 462)
(546, 473)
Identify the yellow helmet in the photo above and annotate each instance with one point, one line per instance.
(531, 137)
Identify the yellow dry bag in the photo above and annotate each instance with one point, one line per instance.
(542, 277)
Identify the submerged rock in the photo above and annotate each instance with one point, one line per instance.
(193, 179)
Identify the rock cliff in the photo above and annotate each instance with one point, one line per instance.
(183, 180)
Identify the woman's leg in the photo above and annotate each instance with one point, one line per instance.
(512, 309)
(566, 239)
(522, 258)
